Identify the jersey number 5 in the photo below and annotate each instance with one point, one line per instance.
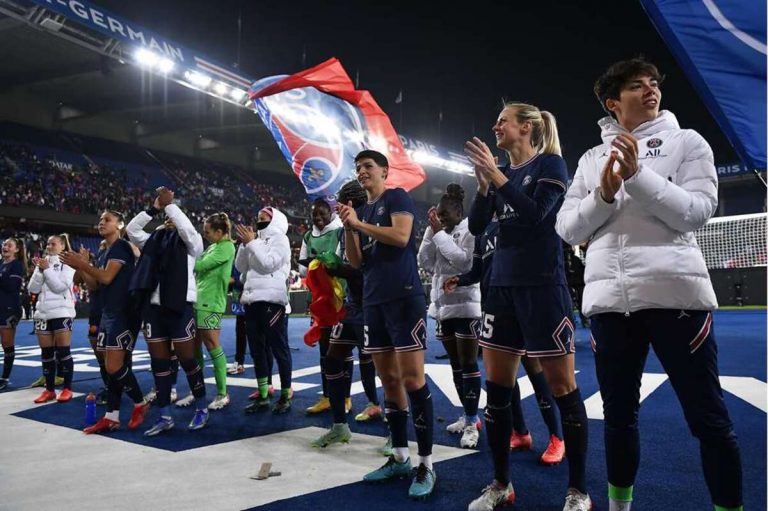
(488, 326)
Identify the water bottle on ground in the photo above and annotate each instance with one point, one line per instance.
(90, 409)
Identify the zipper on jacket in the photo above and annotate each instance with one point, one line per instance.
(621, 275)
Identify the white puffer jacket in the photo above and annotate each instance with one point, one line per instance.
(188, 234)
(266, 262)
(642, 253)
(446, 255)
(54, 289)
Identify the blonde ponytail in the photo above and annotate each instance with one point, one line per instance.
(544, 137)
(549, 136)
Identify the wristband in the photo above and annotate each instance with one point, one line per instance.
(152, 211)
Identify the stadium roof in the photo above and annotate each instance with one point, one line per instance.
(58, 75)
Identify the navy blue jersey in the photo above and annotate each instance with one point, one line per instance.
(482, 261)
(389, 272)
(528, 250)
(11, 279)
(353, 300)
(115, 296)
(95, 304)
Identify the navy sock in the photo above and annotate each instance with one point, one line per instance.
(368, 376)
(458, 380)
(337, 385)
(498, 424)
(195, 380)
(174, 369)
(66, 364)
(114, 393)
(349, 369)
(423, 418)
(49, 366)
(128, 384)
(9, 355)
(323, 368)
(546, 403)
(397, 420)
(472, 383)
(721, 458)
(161, 369)
(573, 416)
(59, 363)
(518, 419)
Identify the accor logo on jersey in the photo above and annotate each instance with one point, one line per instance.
(508, 212)
(490, 246)
(652, 153)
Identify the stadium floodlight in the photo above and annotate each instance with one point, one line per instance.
(238, 94)
(220, 88)
(198, 79)
(432, 160)
(165, 66)
(146, 57)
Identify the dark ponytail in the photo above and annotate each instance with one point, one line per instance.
(453, 199)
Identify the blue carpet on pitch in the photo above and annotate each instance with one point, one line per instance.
(670, 475)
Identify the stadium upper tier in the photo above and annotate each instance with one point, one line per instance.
(80, 175)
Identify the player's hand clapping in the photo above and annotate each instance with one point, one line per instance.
(245, 233)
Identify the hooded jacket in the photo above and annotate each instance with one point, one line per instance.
(642, 252)
(447, 255)
(54, 287)
(265, 263)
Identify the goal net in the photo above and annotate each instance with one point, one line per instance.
(734, 241)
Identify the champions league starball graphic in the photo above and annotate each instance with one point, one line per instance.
(320, 122)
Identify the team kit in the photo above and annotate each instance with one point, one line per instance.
(498, 283)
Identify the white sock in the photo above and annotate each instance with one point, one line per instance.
(426, 461)
(401, 454)
(113, 415)
(615, 505)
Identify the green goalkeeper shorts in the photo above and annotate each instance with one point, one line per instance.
(207, 320)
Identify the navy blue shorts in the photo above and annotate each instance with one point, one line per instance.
(163, 324)
(53, 326)
(399, 325)
(351, 334)
(529, 320)
(9, 318)
(457, 328)
(115, 333)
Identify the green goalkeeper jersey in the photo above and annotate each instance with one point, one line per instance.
(213, 270)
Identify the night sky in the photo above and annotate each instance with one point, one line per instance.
(460, 61)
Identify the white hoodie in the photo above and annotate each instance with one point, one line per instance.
(447, 255)
(642, 253)
(265, 263)
(54, 289)
(187, 233)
